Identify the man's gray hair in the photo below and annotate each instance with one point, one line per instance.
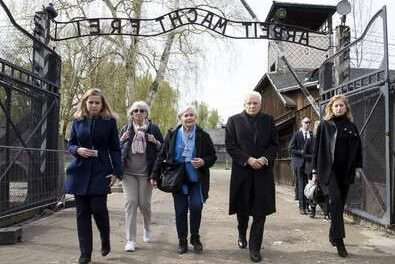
(187, 108)
(139, 105)
(252, 94)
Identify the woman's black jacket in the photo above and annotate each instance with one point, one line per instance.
(324, 151)
(204, 148)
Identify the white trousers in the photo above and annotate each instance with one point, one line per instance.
(137, 192)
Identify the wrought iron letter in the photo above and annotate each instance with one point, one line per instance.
(247, 25)
(265, 30)
(174, 17)
(221, 24)
(304, 38)
(116, 26)
(135, 24)
(194, 13)
(160, 20)
(94, 25)
(208, 19)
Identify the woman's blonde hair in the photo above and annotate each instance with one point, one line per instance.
(328, 108)
(105, 112)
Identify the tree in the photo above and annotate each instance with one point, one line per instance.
(213, 119)
(206, 118)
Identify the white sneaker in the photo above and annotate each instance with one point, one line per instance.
(147, 236)
(130, 246)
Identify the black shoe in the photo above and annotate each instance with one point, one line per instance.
(242, 241)
(105, 248)
(84, 260)
(255, 256)
(341, 249)
(302, 211)
(197, 245)
(312, 213)
(182, 246)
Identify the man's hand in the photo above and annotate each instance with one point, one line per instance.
(264, 161)
(256, 164)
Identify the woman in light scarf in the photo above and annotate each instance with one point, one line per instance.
(140, 143)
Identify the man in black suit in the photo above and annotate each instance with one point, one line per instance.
(300, 149)
(252, 142)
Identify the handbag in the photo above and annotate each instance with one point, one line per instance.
(310, 189)
(171, 177)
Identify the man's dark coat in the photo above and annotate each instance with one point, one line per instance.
(242, 142)
(301, 150)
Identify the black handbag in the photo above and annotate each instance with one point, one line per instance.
(171, 177)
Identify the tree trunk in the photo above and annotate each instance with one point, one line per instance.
(164, 59)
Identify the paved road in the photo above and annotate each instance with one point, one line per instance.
(289, 237)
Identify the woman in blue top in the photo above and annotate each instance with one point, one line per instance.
(94, 143)
(188, 144)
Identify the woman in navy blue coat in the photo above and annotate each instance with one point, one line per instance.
(94, 143)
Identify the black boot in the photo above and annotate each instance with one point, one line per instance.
(255, 255)
(182, 246)
(242, 241)
(84, 260)
(341, 249)
(312, 213)
(197, 245)
(105, 247)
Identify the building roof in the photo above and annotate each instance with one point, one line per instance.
(284, 82)
(309, 16)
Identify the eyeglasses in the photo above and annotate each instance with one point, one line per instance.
(138, 110)
(307, 122)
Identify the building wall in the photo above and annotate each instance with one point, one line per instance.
(271, 103)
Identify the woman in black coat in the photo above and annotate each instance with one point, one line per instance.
(94, 143)
(337, 158)
(190, 145)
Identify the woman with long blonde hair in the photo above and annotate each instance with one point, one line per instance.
(94, 143)
(337, 159)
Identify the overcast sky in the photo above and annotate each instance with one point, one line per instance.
(234, 69)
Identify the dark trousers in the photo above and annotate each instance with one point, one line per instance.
(337, 199)
(296, 183)
(88, 205)
(256, 231)
(192, 202)
(302, 182)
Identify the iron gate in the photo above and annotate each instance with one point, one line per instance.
(30, 176)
